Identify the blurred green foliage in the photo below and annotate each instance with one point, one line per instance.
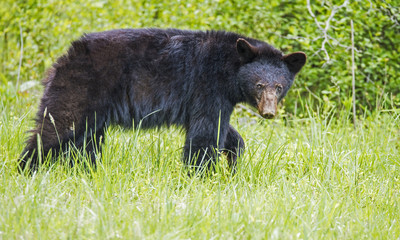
(319, 28)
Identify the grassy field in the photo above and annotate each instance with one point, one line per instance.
(308, 174)
(301, 178)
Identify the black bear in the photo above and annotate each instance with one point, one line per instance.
(155, 77)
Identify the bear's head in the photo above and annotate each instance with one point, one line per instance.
(266, 75)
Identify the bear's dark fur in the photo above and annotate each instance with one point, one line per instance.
(159, 77)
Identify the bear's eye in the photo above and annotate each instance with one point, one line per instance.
(260, 86)
(278, 88)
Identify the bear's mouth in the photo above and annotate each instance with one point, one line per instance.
(267, 115)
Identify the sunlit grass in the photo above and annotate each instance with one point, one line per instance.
(299, 178)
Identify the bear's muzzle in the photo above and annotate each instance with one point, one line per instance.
(268, 104)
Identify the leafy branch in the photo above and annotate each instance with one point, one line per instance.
(326, 38)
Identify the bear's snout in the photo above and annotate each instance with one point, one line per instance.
(268, 115)
(268, 104)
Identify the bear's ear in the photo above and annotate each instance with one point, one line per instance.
(247, 52)
(295, 61)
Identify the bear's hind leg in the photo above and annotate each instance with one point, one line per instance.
(58, 125)
(53, 140)
(91, 145)
(47, 138)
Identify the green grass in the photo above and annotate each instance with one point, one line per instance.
(310, 178)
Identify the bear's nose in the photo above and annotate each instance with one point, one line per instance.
(268, 115)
